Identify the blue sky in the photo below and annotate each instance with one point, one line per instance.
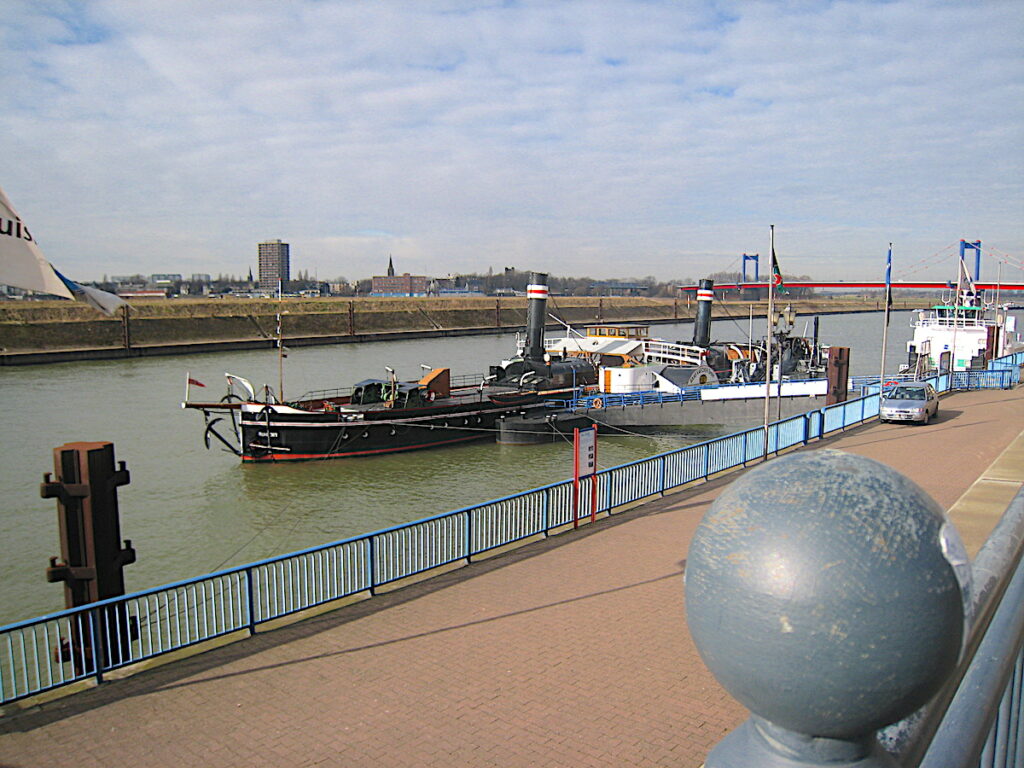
(612, 139)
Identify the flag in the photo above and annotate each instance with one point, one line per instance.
(195, 382)
(888, 284)
(777, 275)
(107, 303)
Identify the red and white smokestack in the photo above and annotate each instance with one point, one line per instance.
(536, 315)
(702, 322)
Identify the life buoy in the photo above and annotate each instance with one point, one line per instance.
(431, 395)
(598, 403)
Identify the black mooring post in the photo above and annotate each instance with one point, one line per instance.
(92, 557)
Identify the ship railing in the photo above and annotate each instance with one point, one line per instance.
(642, 398)
(669, 353)
(89, 642)
(458, 380)
(954, 322)
(869, 384)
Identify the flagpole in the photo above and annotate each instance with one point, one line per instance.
(280, 347)
(885, 327)
(961, 271)
(768, 343)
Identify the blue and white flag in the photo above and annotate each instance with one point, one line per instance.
(888, 284)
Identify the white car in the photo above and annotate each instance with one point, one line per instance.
(909, 401)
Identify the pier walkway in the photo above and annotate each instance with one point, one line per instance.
(572, 651)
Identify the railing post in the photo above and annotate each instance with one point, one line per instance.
(546, 512)
(823, 663)
(807, 428)
(96, 645)
(662, 472)
(250, 594)
(372, 557)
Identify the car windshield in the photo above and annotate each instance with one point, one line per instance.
(907, 393)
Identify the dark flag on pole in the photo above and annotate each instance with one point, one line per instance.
(888, 284)
(777, 275)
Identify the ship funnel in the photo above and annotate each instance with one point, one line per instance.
(536, 314)
(702, 322)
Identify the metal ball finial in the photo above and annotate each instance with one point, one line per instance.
(819, 594)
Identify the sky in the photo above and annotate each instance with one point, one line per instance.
(610, 139)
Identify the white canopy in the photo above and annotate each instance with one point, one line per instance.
(23, 265)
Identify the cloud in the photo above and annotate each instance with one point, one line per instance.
(576, 137)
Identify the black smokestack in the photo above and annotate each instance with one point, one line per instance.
(702, 323)
(536, 314)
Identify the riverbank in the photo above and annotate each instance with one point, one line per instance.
(48, 332)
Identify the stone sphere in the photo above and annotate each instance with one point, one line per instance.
(819, 595)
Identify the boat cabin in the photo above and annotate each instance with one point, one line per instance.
(390, 394)
(964, 315)
(619, 331)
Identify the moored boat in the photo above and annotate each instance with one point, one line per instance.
(379, 416)
(629, 359)
(962, 332)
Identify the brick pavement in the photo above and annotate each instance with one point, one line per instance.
(569, 652)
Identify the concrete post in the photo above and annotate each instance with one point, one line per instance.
(820, 594)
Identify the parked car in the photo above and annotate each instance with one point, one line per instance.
(909, 401)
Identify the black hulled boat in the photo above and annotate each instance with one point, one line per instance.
(383, 416)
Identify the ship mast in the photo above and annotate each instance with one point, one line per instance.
(280, 347)
(768, 343)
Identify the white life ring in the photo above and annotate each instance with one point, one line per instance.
(598, 403)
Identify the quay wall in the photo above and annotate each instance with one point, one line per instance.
(55, 331)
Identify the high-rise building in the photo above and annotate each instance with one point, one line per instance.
(275, 265)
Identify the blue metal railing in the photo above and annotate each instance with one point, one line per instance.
(981, 721)
(55, 650)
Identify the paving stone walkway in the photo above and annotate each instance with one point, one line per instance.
(569, 652)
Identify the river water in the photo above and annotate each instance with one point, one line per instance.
(189, 511)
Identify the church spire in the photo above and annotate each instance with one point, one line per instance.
(391, 267)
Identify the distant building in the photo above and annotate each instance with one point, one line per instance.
(138, 281)
(619, 289)
(200, 278)
(142, 293)
(274, 263)
(164, 279)
(399, 285)
(449, 286)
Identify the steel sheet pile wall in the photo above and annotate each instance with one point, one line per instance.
(178, 615)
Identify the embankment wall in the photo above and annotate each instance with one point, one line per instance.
(36, 332)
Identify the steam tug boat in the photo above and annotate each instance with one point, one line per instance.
(628, 359)
(383, 416)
